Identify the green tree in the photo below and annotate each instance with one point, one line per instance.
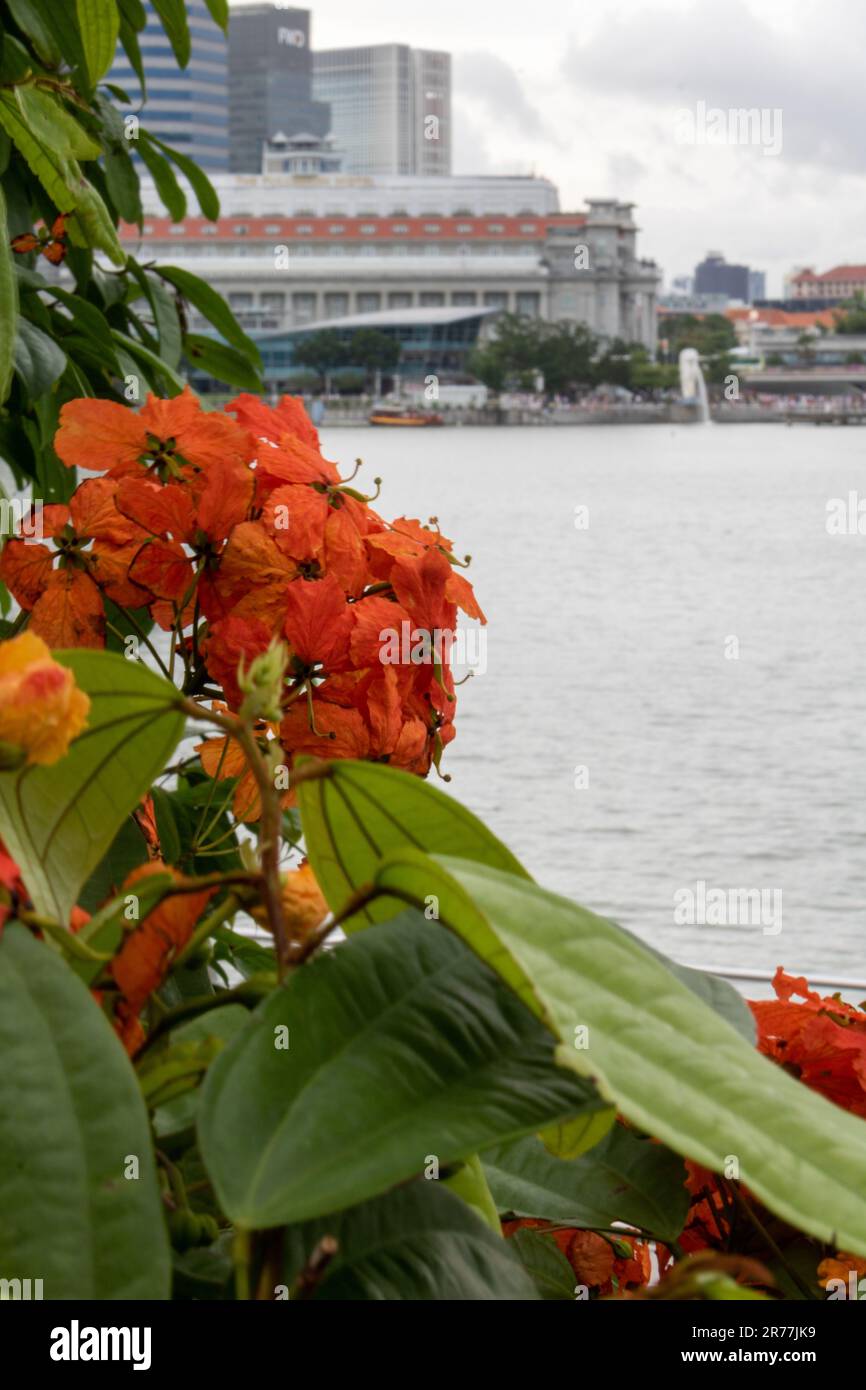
(372, 351)
(323, 352)
(709, 335)
(851, 316)
(562, 352)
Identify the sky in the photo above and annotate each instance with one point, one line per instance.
(593, 96)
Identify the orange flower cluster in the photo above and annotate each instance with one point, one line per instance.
(231, 529)
(822, 1041)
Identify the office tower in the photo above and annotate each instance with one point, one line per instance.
(390, 107)
(270, 82)
(715, 276)
(185, 107)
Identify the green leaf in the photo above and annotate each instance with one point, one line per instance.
(218, 360)
(174, 383)
(90, 320)
(98, 22)
(62, 22)
(469, 1183)
(32, 22)
(191, 1048)
(208, 199)
(123, 186)
(172, 14)
(132, 49)
(357, 812)
(39, 362)
(292, 1133)
(219, 10)
(544, 1262)
(92, 225)
(417, 1244)
(170, 192)
(212, 305)
(623, 1178)
(71, 1116)
(54, 125)
(577, 1136)
(57, 174)
(58, 821)
(165, 317)
(8, 305)
(671, 1065)
(134, 13)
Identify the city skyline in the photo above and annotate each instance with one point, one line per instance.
(572, 98)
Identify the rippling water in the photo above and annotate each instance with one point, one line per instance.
(606, 649)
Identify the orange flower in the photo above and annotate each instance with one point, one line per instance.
(168, 439)
(94, 547)
(147, 953)
(840, 1268)
(822, 1041)
(304, 907)
(41, 708)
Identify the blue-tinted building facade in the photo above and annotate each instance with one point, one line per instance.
(188, 107)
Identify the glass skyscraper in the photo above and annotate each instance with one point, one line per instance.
(186, 107)
(270, 81)
(390, 107)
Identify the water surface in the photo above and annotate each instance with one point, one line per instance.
(606, 650)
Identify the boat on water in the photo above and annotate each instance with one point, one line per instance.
(403, 418)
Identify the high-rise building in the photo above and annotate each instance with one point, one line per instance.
(390, 107)
(185, 107)
(270, 82)
(715, 276)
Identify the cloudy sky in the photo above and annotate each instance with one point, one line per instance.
(589, 95)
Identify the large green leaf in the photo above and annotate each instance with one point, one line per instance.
(32, 22)
(357, 812)
(58, 821)
(419, 1243)
(39, 362)
(401, 1045)
(220, 361)
(170, 192)
(208, 198)
(624, 1178)
(8, 305)
(219, 10)
(173, 16)
(212, 305)
(98, 23)
(72, 1210)
(544, 1262)
(671, 1065)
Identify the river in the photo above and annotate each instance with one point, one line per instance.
(675, 665)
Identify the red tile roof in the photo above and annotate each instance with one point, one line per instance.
(839, 272)
(416, 228)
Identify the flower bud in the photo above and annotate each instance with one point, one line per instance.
(41, 708)
(262, 683)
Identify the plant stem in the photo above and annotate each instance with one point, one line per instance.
(271, 821)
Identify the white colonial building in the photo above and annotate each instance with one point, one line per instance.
(289, 251)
